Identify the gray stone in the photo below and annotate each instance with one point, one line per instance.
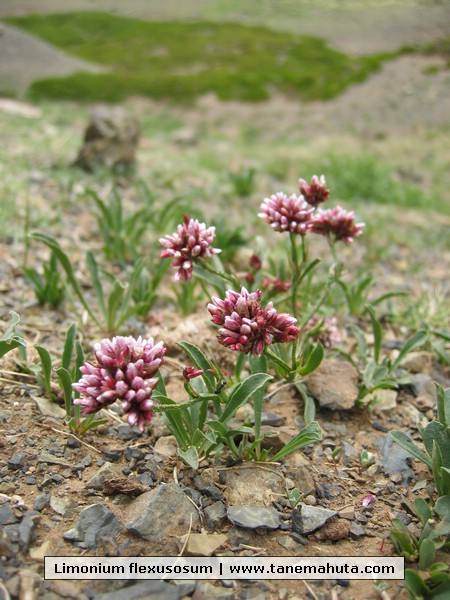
(50, 459)
(272, 419)
(162, 511)
(7, 516)
(215, 515)
(393, 458)
(306, 519)
(107, 471)
(26, 528)
(418, 362)
(144, 590)
(62, 506)
(254, 485)
(17, 461)
(94, 521)
(357, 531)
(47, 408)
(252, 517)
(110, 140)
(334, 384)
(207, 591)
(291, 545)
(383, 400)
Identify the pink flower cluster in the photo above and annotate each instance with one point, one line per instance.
(246, 326)
(191, 242)
(124, 370)
(337, 223)
(283, 213)
(298, 214)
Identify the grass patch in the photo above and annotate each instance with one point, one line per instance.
(181, 61)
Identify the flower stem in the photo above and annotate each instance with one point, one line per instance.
(229, 277)
(295, 270)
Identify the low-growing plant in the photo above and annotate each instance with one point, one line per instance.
(47, 285)
(377, 371)
(11, 340)
(436, 440)
(119, 301)
(243, 181)
(433, 516)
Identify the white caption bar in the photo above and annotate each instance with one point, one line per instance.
(268, 567)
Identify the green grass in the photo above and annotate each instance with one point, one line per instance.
(184, 60)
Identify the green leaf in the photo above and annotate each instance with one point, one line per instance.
(361, 341)
(69, 346)
(201, 362)
(310, 434)
(67, 266)
(437, 433)
(423, 510)
(114, 300)
(377, 333)
(96, 283)
(11, 329)
(242, 393)
(309, 410)
(415, 585)
(190, 456)
(427, 553)
(313, 361)
(443, 405)
(66, 384)
(407, 444)
(415, 340)
(46, 364)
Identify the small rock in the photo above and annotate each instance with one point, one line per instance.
(215, 515)
(356, 531)
(41, 501)
(26, 528)
(207, 591)
(166, 446)
(253, 485)
(334, 384)
(272, 419)
(40, 552)
(347, 513)
(291, 545)
(144, 590)
(418, 362)
(16, 461)
(50, 459)
(62, 506)
(304, 481)
(310, 500)
(110, 140)
(112, 455)
(7, 516)
(47, 408)
(204, 544)
(252, 517)
(393, 458)
(160, 512)
(382, 400)
(334, 530)
(94, 521)
(306, 519)
(107, 471)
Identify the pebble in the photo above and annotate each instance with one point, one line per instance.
(215, 515)
(16, 461)
(107, 471)
(253, 517)
(207, 591)
(41, 501)
(356, 531)
(334, 384)
(7, 516)
(94, 521)
(394, 459)
(148, 589)
(306, 519)
(160, 512)
(112, 455)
